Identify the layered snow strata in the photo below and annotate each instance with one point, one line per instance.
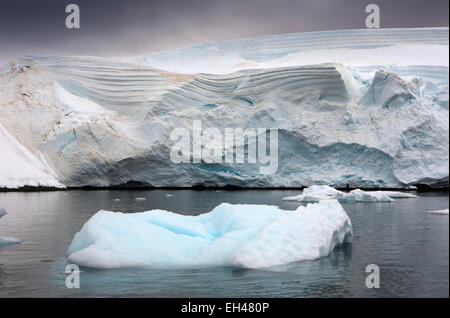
(315, 193)
(367, 108)
(246, 236)
(4, 241)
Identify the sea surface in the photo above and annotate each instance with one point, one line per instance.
(409, 245)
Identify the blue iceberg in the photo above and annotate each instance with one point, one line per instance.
(241, 235)
(367, 108)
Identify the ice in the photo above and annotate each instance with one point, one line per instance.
(74, 103)
(368, 108)
(389, 90)
(4, 241)
(19, 167)
(244, 236)
(441, 212)
(315, 193)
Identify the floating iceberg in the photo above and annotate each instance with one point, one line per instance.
(367, 108)
(244, 236)
(6, 240)
(440, 212)
(315, 193)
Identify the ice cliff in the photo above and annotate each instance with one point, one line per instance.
(244, 236)
(368, 108)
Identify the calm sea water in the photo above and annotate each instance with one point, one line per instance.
(410, 246)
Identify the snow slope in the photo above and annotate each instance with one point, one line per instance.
(367, 108)
(19, 167)
(245, 236)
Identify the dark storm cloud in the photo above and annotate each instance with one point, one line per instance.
(134, 27)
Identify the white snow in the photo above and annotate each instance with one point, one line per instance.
(245, 236)
(362, 107)
(440, 212)
(19, 167)
(4, 241)
(315, 193)
(75, 103)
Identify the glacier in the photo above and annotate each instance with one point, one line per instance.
(240, 235)
(4, 241)
(365, 108)
(315, 193)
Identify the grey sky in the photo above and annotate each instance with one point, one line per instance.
(135, 27)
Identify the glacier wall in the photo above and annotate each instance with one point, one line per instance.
(367, 108)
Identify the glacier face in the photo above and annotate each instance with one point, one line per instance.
(241, 235)
(368, 108)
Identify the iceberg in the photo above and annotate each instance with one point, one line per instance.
(315, 193)
(368, 108)
(241, 235)
(4, 241)
(440, 212)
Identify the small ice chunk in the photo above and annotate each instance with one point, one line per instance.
(440, 212)
(315, 193)
(397, 194)
(2, 212)
(140, 199)
(6, 240)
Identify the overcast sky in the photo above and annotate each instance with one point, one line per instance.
(135, 27)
